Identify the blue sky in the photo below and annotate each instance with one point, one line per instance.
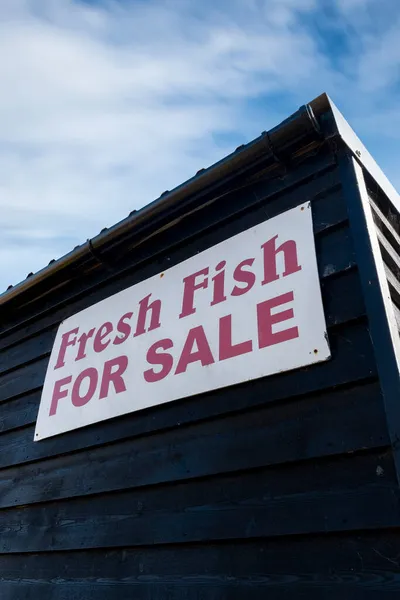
(104, 105)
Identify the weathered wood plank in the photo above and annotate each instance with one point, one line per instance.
(396, 315)
(316, 497)
(394, 286)
(365, 553)
(19, 412)
(389, 255)
(24, 380)
(342, 297)
(322, 425)
(384, 226)
(352, 586)
(119, 523)
(27, 350)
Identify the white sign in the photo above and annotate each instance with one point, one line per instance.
(246, 308)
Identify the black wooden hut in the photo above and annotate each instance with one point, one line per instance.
(284, 486)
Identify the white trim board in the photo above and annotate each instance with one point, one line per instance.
(360, 152)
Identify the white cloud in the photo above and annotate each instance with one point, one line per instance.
(105, 106)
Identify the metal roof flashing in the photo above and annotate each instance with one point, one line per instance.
(206, 179)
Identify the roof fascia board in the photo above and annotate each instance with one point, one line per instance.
(362, 155)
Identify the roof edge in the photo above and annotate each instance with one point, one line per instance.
(323, 104)
(204, 180)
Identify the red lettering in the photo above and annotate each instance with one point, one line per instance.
(82, 341)
(104, 330)
(154, 357)
(203, 352)
(243, 276)
(226, 348)
(265, 321)
(289, 250)
(93, 376)
(123, 328)
(65, 342)
(58, 394)
(113, 375)
(219, 284)
(190, 286)
(144, 308)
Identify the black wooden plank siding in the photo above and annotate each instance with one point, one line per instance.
(388, 231)
(283, 487)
